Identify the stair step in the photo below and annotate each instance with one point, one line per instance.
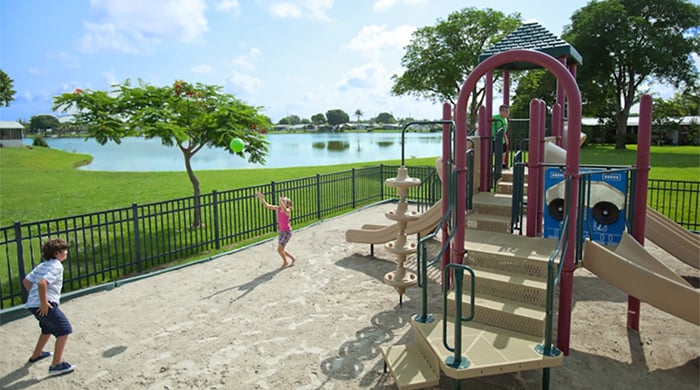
(493, 203)
(516, 287)
(503, 313)
(489, 350)
(506, 187)
(409, 367)
(488, 222)
(509, 253)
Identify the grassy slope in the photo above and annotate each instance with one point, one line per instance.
(39, 183)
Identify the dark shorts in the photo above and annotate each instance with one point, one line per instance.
(284, 237)
(55, 322)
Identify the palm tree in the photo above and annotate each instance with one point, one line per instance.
(358, 114)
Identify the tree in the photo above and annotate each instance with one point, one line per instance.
(627, 43)
(358, 114)
(439, 58)
(337, 117)
(188, 116)
(7, 92)
(318, 119)
(385, 117)
(534, 84)
(42, 123)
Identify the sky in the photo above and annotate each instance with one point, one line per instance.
(290, 57)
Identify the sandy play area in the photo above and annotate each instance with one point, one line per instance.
(239, 322)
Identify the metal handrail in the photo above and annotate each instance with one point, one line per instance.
(457, 360)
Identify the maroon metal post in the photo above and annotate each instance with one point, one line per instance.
(640, 195)
(533, 162)
(446, 175)
(540, 171)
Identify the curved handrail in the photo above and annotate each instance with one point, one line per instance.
(409, 124)
(457, 361)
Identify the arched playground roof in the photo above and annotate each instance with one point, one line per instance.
(532, 35)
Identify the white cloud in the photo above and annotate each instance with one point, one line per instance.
(203, 69)
(285, 10)
(368, 76)
(228, 5)
(245, 82)
(373, 38)
(129, 26)
(385, 5)
(313, 9)
(33, 71)
(110, 78)
(247, 61)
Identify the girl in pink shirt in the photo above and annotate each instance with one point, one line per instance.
(284, 210)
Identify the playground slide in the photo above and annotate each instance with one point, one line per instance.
(379, 234)
(646, 284)
(673, 238)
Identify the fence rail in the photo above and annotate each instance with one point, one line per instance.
(114, 244)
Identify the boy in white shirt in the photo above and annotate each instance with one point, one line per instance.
(44, 284)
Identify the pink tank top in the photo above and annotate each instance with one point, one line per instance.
(283, 220)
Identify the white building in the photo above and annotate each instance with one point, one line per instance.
(11, 134)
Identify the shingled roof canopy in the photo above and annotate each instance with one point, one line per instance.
(531, 35)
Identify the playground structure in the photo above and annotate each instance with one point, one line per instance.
(506, 283)
(401, 279)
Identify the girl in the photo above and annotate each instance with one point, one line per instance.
(284, 210)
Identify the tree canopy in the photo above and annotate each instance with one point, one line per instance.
(385, 117)
(7, 92)
(43, 122)
(188, 116)
(628, 43)
(337, 117)
(439, 58)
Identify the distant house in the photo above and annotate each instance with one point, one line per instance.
(11, 134)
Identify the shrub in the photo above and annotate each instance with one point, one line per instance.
(40, 141)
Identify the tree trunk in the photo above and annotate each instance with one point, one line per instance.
(197, 211)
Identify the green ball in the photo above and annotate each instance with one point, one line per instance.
(237, 145)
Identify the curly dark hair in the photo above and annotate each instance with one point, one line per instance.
(52, 247)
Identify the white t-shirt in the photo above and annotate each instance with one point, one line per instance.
(52, 271)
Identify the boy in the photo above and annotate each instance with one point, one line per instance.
(499, 121)
(44, 284)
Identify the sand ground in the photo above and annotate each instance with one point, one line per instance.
(239, 322)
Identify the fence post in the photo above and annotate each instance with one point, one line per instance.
(354, 201)
(215, 204)
(318, 196)
(20, 259)
(137, 238)
(273, 190)
(381, 181)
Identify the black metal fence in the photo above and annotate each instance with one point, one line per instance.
(110, 245)
(114, 244)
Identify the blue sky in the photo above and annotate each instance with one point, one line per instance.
(297, 57)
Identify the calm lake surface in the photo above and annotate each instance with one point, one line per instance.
(285, 150)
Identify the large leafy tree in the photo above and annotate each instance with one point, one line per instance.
(628, 43)
(7, 92)
(439, 58)
(188, 116)
(42, 123)
(337, 117)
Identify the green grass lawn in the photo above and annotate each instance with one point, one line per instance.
(40, 183)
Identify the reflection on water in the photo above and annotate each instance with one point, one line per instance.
(338, 145)
(136, 154)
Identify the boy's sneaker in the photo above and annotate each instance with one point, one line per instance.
(61, 368)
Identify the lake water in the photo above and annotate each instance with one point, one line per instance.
(136, 154)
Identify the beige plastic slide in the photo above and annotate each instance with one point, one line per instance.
(643, 277)
(673, 238)
(380, 234)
